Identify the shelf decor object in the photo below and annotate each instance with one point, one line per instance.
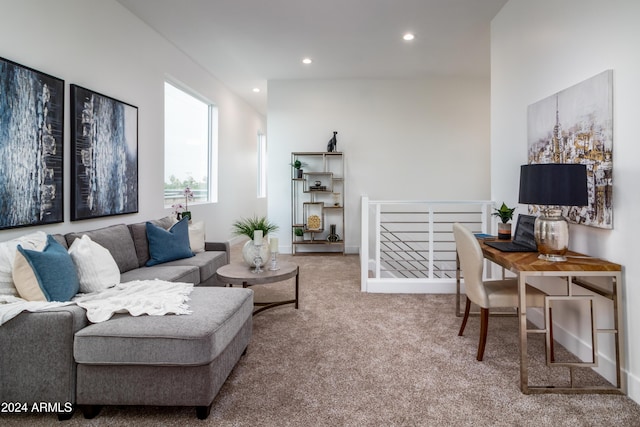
(333, 237)
(332, 146)
(318, 199)
(313, 216)
(553, 185)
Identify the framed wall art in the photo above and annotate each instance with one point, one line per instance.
(576, 126)
(104, 162)
(31, 146)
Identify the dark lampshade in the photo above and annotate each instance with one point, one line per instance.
(553, 184)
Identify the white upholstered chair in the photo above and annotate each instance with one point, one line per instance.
(486, 294)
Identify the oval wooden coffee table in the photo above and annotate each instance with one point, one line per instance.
(241, 274)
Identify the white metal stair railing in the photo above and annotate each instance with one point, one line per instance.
(408, 246)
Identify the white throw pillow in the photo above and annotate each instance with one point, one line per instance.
(34, 241)
(196, 236)
(97, 270)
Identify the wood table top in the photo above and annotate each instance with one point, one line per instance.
(529, 261)
(239, 273)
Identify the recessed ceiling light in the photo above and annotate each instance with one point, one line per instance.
(408, 37)
(307, 61)
(256, 90)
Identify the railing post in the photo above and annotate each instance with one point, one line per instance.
(377, 235)
(431, 239)
(364, 243)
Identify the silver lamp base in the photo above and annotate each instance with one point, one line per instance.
(551, 232)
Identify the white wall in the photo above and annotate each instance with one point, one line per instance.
(103, 47)
(423, 139)
(539, 48)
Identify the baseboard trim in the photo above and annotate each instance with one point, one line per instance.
(633, 386)
(411, 286)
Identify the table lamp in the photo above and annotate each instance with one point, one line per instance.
(553, 185)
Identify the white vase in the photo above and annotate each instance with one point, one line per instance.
(250, 251)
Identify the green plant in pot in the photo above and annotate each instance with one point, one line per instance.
(299, 232)
(255, 251)
(505, 214)
(297, 165)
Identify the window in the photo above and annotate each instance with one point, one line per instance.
(190, 147)
(262, 165)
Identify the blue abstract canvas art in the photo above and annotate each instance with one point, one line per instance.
(31, 146)
(104, 148)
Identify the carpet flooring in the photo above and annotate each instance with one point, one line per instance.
(347, 358)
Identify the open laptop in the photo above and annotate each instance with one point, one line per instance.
(523, 238)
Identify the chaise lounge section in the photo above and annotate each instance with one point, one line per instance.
(167, 360)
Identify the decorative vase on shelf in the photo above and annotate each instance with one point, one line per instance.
(250, 252)
(333, 237)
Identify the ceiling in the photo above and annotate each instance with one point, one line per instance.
(246, 43)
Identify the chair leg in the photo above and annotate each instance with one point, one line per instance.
(553, 357)
(484, 325)
(466, 317)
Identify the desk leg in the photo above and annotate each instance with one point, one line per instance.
(522, 316)
(618, 321)
(297, 285)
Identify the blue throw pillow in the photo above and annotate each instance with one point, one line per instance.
(168, 245)
(49, 275)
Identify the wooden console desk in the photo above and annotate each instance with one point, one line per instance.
(578, 270)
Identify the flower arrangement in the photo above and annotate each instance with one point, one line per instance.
(180, 210)
(246, 226)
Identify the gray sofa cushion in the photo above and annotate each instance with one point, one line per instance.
(187, 274)
(117, 239)
(60, 239)
(139, 235)
(187, 340)
(207, 263)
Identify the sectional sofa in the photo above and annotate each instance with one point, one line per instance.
(59, 357)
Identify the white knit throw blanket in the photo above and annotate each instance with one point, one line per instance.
(151, 297)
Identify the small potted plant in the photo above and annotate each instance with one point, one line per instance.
(505, 214)
(297, 165)
(299, 232)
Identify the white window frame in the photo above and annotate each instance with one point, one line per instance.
(212, 146)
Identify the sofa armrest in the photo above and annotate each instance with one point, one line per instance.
(36, 356)
(219, 246)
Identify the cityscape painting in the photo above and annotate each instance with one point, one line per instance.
(576, 126)
(104, 163)
(31, 146)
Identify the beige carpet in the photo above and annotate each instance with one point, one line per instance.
(354, 359)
